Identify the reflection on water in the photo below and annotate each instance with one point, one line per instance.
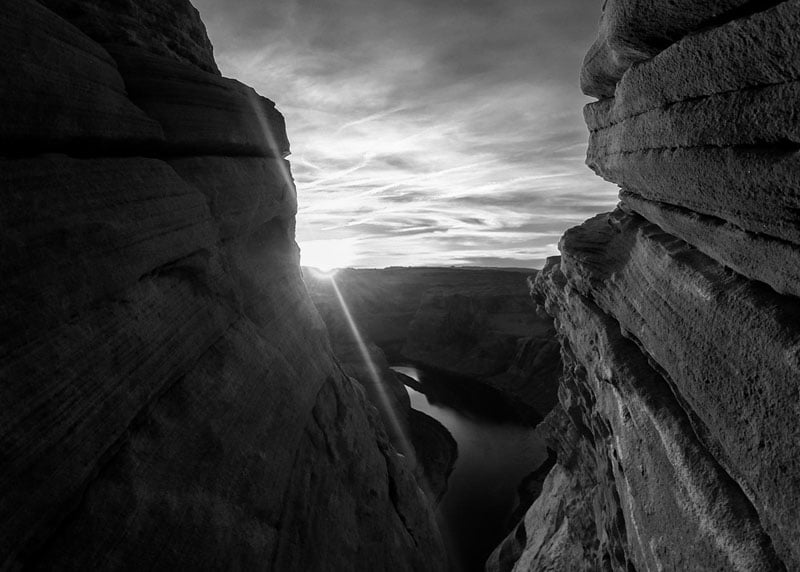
(493, 457)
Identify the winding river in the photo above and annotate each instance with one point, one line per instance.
(495, 452)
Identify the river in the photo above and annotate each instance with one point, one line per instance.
(495, 452)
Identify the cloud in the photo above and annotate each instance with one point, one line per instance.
(425, 132)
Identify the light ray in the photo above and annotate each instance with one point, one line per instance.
(283, 165)
(391, 415)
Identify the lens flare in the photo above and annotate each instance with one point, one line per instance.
(320, 274)
(399, 429)
(326, 260)
(327, 255)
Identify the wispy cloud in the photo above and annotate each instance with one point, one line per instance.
(445, 132)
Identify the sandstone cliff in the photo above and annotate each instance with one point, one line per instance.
(169, 399)
(478, 324)
(429, 448)
(678, 313)
(491, 333)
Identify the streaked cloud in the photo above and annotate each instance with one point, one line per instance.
(425, 132)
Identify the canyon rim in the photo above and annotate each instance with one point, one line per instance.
(171, 399)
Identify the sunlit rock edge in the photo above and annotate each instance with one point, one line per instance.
(169, 399)
(677, 435)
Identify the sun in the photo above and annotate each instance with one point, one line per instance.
(327, 255)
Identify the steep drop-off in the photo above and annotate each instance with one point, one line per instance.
(477, 324)
(678, 315)
(429, 449)
(168, 396)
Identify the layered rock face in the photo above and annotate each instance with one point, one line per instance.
(491, 333)
(478, 324)
(678, 313)
(169, 399)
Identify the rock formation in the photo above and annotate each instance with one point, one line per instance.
(490, 332)
(427, 445)
(169, 399)
(678, 314)
(477, 324)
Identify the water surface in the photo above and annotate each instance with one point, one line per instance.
(495, 452)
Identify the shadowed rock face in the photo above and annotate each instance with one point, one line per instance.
(473, 323)
(429, 449)
(678, 313)
(168, 395)
(170, 28)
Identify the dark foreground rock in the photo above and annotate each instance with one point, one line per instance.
(678, 313)
(169, 399)
(429, 449)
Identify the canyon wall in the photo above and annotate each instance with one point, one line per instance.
(169, 399)
(489, 331)
(472, 323)
(428, 447)
(678, 313)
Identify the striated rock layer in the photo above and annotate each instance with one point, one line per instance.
(168, 396)
(678, 313)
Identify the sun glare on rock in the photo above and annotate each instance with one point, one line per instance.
(327, 255)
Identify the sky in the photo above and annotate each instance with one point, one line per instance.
(424, 132)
